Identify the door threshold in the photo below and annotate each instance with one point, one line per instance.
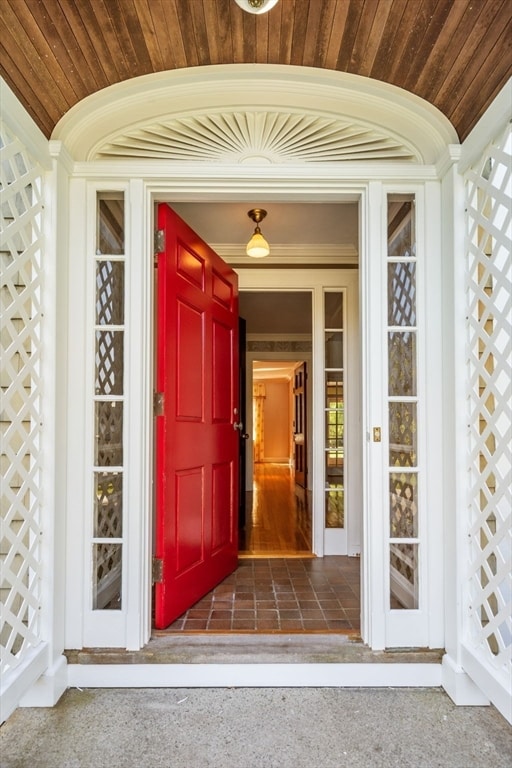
(305, 648)
(353, 635)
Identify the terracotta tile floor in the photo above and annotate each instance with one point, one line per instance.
(281, 595)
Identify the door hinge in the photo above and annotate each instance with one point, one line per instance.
(158, 404)
(159, 244)
(157, 570)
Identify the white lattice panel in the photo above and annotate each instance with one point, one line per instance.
(489, 274)
(20, 419)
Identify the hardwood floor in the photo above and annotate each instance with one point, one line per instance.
(278, 515)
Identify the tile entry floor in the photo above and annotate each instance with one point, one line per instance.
(280, 595)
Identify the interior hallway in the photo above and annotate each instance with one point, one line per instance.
(277, 514)
(279, 586)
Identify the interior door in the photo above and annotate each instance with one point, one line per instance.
(197, 429)
(299, 425)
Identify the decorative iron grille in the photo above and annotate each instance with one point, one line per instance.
(21, 417)
(489, 398)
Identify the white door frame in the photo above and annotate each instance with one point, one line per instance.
(314, 281)
(135, 622)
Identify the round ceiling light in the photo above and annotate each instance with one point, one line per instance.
(256, 6)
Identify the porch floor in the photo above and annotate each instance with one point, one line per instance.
(256, 728)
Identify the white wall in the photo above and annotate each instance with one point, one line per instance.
(277, 421)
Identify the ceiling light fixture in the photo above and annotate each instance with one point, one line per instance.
(257, 247)
(256, 6)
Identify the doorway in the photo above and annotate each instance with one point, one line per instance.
(260, 578)
(278, 504)
(278, 513)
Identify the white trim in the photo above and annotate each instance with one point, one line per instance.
(459, 686)
(76, 419)
(191, 185)
(305, 255)
(153, 98)
(54, 265)
(432, 412)
(59, 152)
(448, 159)
(453, 368)
(48, 688)
(253, 675)
(139, 418)
(374, 563)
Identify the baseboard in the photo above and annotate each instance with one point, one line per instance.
(253, 675)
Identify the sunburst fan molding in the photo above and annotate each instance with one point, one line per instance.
(255, 138)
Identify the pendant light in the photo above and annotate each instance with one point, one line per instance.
(257, 247)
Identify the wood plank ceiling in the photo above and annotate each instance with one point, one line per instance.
(453, 53)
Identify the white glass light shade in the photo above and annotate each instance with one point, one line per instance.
(256, 6)
(257, 247)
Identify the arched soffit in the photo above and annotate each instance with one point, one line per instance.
(255, 114)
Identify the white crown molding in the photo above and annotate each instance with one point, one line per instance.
(448, 159)
(303, 254)
(262, 87)
(59, 152)
(204, 178)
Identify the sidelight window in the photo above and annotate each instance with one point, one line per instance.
(109, 331)
(402, 401)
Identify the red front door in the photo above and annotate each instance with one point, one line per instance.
(196, 443)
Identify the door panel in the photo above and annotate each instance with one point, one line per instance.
(196, 443)
(190, 341)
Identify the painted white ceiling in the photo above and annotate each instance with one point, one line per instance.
(322, 224)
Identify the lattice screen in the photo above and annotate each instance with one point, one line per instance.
(489, 279)
(20, 420)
